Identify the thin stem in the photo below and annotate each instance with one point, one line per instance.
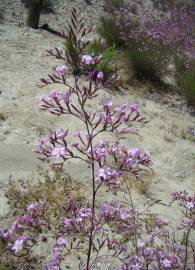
(90, 136)
(186, 248)
(93, 211)
(132, 205)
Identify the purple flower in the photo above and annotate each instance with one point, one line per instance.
(18, 244)
(61, 242)
(85, 212)
(92, 75)
(59, 152)
(100, 152)
(36, 209)
(25, 219)
(55, 102)
(55, 95)
(78, 134)
(67, 222)
(87, 60)
(66, 96)
(31, 207)
(134, 107)
(61, 134)
(100, 75)
(167, 263)
(107, 175)
(135, 152)
(190, 205)
(62, 70)
(107, 104)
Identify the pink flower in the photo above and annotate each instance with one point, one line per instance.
(87, 60)
(61, 70)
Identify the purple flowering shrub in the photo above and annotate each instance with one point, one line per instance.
(146, 58)
(150, 41)
(109, 234)
(174, 30)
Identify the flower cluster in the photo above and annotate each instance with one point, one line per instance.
(188, 203)
(108, 176)
(55, 102)
(54, 146)
(128, 160)
(20, 235)
(160, 250)
(125, 219)
(78, 220)
(116, 211)
(114, 118)
(57, 254)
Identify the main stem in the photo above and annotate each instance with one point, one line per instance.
(92, 217)
(132, 206)
(90, 136)
(186, 248)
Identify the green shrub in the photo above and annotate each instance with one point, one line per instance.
(109, 31)
(147, 60)
(108, 63)
(186, 80)
(96, 47)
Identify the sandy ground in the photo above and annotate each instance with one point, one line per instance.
(21, 123)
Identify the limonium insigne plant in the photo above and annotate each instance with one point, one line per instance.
(112, 234)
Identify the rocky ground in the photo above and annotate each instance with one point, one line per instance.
(23, 62)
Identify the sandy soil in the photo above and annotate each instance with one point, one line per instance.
(21, 123)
